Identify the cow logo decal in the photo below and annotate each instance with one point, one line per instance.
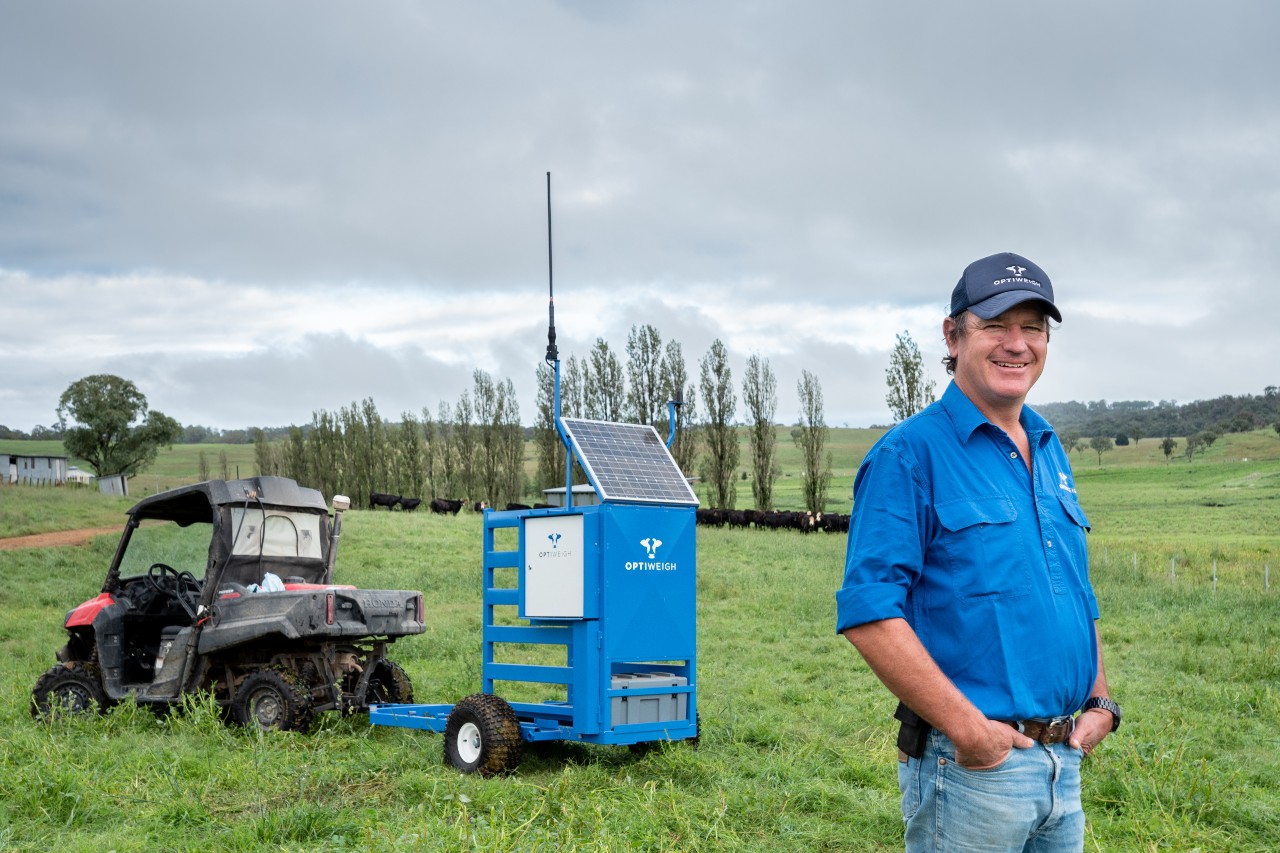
(555, 539)
(651, 545)
(1016, 270)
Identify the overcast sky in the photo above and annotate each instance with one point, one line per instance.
(258, 210)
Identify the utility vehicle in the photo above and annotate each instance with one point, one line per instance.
(263, 628)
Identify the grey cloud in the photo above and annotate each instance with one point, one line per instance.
(821, 153)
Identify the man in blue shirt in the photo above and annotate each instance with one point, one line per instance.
(967, 589)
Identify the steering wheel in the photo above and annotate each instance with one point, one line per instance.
(182, 587)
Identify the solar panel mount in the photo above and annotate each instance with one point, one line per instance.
(628, 463)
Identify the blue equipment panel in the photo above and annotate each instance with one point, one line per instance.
(628, 462)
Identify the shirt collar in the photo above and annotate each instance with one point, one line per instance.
(965, 417)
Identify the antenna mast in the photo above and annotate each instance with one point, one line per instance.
(553, 355)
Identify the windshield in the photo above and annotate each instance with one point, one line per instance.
(184, 548)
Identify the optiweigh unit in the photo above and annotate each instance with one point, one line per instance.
(613, 584)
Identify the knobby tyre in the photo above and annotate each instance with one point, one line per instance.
(72, 688)
(482, 735)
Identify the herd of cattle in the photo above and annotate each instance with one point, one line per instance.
(440, 505)
(805, 522)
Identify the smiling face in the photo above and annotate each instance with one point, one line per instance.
(999, 360)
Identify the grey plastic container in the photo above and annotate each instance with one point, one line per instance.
(650, 707)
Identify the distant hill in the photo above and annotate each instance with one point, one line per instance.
(1166, 418)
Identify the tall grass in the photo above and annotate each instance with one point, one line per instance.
(797, 744)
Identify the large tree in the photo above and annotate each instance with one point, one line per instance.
(721, 461)
(760, 396)
(115, 431)
(910, 390)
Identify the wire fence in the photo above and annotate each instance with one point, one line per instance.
(1187, 569)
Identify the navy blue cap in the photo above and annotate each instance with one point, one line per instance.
(992, 285)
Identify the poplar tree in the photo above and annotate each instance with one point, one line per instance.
(675, 385)
(910, 390)
(721, 460)
(760, 396)
(645, 400)
(810, 435)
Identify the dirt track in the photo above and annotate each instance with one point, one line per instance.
(58, 539)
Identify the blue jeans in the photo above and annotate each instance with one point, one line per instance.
(1030, 803)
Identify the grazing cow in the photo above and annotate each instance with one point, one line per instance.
(479, 506)
(518, 506)
(410, 504)
(377, 499)
(444, 505)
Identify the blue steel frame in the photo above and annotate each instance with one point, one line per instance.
(639, 619)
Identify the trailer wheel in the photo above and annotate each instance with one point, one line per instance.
(389, 685)
(482, 735)
(67, 689)
(270, 702)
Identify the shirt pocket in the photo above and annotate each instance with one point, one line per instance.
(1074, 511)
(984, 548)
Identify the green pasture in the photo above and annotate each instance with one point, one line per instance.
(797, 744)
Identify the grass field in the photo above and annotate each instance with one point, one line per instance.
(797, 746)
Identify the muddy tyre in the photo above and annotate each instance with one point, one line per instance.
(72, 688)
(482, 735)
(389, 685)
(271, 702)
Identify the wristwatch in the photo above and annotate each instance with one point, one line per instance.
(1107, 705)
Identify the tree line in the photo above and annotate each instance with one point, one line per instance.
(1137, 419)
(474, 449)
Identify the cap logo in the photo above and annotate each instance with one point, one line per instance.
(1016, 270)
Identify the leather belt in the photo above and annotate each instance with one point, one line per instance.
(1056, 730)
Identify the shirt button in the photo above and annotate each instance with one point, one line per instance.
(1049, 543)
(1013, 454)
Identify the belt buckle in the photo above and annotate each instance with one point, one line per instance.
(1060, 728)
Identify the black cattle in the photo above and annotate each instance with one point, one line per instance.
(410, 504)
(518, 506)
(479, 506)
(444, 505)
(833, 522)
(710, 517)
(377, 499)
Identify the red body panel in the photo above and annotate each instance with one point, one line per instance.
(85, 613)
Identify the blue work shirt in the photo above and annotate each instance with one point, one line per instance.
(986, 561)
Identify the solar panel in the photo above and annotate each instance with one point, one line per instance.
(628, 462)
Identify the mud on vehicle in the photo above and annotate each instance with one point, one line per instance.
(227, 587)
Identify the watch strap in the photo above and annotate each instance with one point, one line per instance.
(1107, 705)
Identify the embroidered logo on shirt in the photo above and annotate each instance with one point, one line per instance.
(1064, 483)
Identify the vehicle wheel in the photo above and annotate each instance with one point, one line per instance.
(72, 688)
(389, 685)
(482, 735)
(269, 701)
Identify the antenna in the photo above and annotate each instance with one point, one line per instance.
(553, 355)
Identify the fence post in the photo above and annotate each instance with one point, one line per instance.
(1215, 575)
(1172, 574)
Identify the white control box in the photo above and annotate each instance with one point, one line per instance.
(554, 579)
